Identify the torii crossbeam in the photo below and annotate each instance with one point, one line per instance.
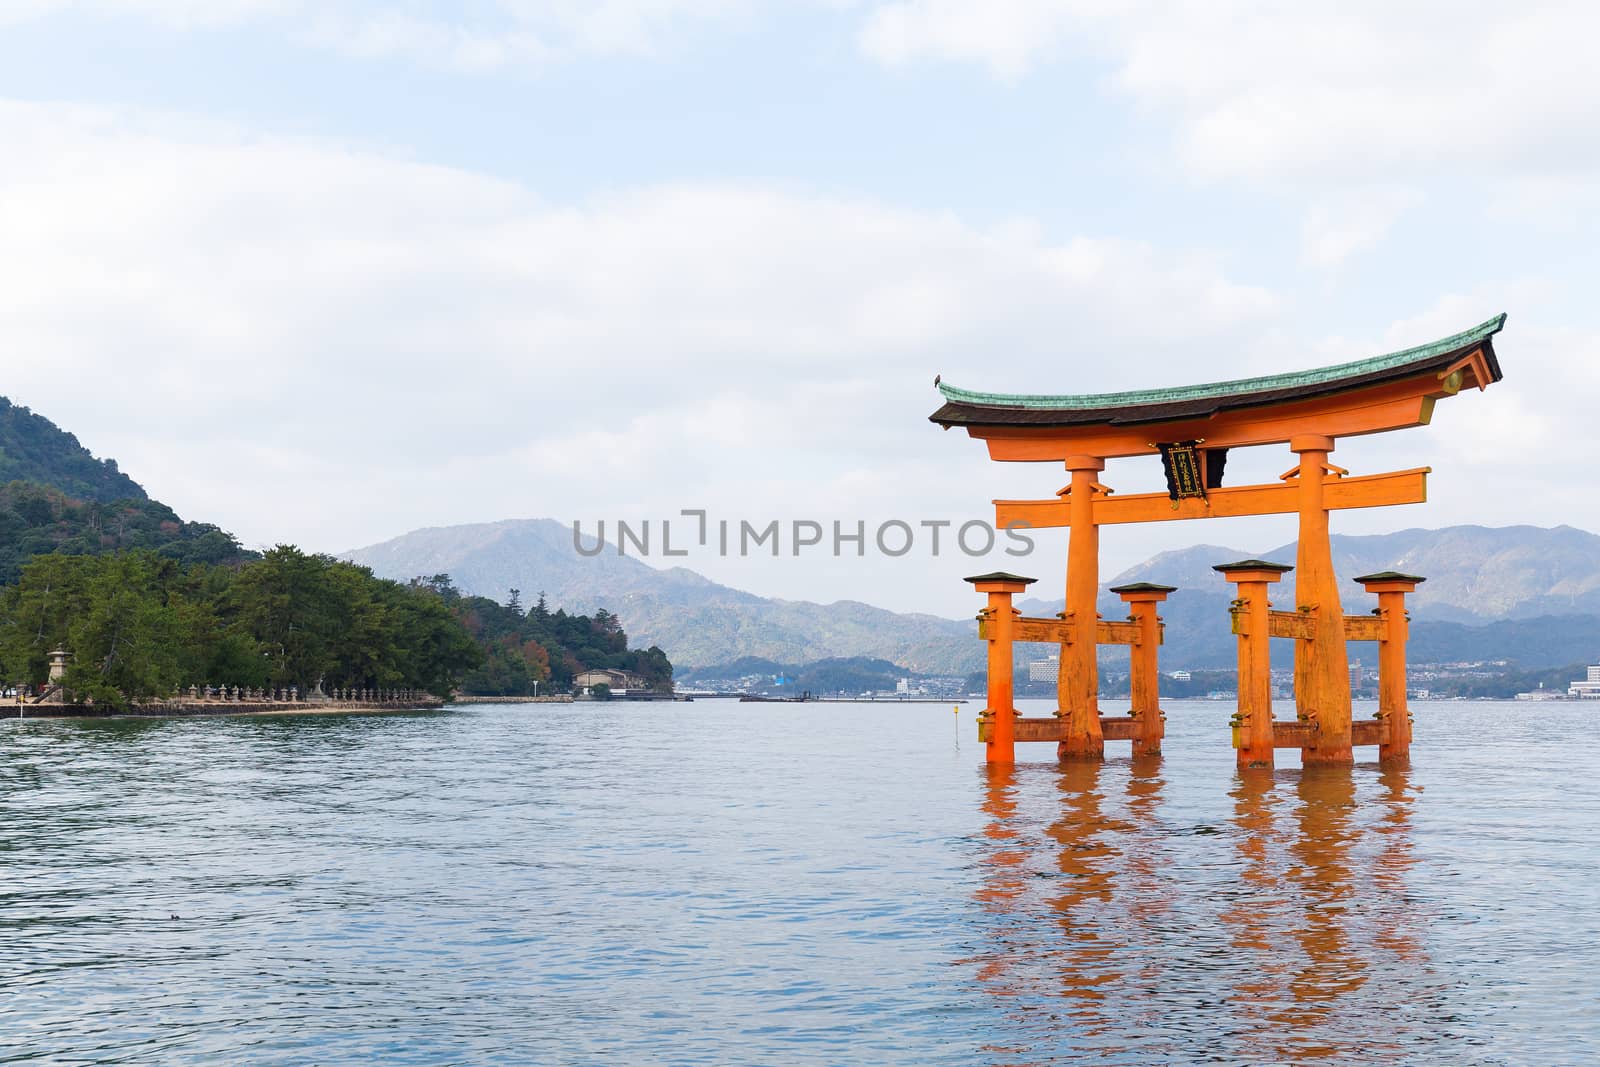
(1192, 429)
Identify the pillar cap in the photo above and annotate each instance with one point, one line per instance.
(1143, 591)
(1310, 442)
(1000, 582)
(1390, 581)
(1258, 570)
(1255, 565)
(999, 576)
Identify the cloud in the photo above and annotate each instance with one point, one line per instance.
(473, 39)
(316, 340)
(1006, 36)
(1357, 91)
(1340, 225)
(173, 14)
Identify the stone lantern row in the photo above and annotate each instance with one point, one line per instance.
(291, 695)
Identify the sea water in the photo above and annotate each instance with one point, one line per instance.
(717, 883)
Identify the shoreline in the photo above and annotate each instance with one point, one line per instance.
(212, 710)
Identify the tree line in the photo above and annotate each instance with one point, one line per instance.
(539, 650)
(140, 624)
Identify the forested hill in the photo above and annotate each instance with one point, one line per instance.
(36, 519)
(57, 497)
(34, 449)
(138, 625)
(550, 648)
(144, 601)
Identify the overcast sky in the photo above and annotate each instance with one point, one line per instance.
(328, 272)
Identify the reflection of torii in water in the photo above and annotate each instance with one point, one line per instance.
(1192, 429)
(1303, 945)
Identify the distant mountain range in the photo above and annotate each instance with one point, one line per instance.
(695, 620)
(1520, 592)
(1476, 574)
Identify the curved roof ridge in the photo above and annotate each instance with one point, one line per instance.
(1239, 386)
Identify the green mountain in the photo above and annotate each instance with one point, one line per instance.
(57, 497)
(85, 553)
(34, 449)
(35, 519)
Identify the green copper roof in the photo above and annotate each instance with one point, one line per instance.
(1254, 565)
(1238, 387)
(1001, 576)
(1143, 587)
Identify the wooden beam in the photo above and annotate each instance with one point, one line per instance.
(1119, 727)
(1291, 624)
(1304, 734)
(1364, 628)
(1117, 633)
(1113, 727)
(1058, 632)
(1361, 491)
(1034, 631)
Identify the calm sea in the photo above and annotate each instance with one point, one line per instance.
(715, 883)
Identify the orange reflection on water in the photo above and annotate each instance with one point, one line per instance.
(1088, 858)
(1320, 866)
(1275, 935)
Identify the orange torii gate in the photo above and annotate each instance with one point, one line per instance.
(1192, 429)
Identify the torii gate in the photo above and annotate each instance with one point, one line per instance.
(1192, 429)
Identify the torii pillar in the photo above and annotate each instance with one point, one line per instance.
(1252, 736)
(1392, 587)
(1144, 674)
(1321, 663)
(1001, 619)
(1078, 686)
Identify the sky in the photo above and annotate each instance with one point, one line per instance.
(324, 273)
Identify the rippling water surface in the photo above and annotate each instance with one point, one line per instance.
(717, 883)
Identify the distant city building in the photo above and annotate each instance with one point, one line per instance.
(1588, 688)
(903, 687)
(1180, 676)
(1045, 670)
